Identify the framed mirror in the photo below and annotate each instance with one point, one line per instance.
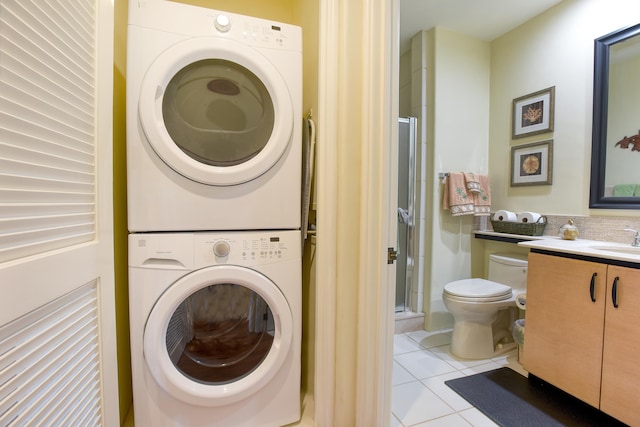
(615, 148)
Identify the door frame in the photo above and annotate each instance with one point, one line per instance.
(364, 34)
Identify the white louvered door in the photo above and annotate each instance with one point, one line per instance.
(57, 315)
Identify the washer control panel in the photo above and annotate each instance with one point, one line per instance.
(246, 248)
(193, 250)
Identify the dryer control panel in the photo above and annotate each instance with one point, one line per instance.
(196, 21)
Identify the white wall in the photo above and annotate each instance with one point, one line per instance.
(418, 105)
(450, 71)
(404, 105)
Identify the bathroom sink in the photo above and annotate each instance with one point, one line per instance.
(627, 250)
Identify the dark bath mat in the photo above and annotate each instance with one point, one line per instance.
(511, 400)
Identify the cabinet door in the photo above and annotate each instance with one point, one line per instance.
(620, 367)
(564, 327)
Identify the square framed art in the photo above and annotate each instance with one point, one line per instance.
(533, 113)
(532, 164)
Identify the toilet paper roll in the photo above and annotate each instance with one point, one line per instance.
(528, 217)
(505, 216)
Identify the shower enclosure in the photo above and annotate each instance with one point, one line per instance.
(406, 209)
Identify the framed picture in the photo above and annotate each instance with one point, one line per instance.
(531, 164)
(533, 113)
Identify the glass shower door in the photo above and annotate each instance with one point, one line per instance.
(406, 209)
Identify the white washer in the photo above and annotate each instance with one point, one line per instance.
(214, 120)
(215, 323)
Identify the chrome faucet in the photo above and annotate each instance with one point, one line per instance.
(636, 238)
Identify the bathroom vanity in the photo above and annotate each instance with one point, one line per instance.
(582, 322)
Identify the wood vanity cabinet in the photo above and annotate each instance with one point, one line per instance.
(577, 340)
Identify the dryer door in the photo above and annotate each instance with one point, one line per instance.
(216, 111)
(218, 335)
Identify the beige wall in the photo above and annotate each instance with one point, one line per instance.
(278, 10)
(554, 49)
(471, 85)
(120, 206)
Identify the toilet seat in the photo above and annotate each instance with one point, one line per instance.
(477, 290)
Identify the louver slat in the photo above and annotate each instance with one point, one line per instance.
(47, 125)
(49, 363)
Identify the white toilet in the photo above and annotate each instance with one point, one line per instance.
(484, 310)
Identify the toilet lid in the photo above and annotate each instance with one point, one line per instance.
(478, 288)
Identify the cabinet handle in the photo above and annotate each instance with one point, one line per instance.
(592, 287)
(614, 292)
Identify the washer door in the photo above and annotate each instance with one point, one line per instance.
(216, 111)
(218, 335)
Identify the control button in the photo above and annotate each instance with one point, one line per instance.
(221, 249)
(222, 23)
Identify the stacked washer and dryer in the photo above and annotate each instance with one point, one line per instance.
(214, 173)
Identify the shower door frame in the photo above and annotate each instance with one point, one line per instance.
(407, 250)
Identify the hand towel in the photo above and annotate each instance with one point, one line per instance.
(482, 198)
(472, 182)
(456, 198)
(624, 190)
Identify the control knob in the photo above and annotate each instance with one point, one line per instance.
(221, 249)
(222, 23)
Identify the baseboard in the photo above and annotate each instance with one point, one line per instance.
(407, 321)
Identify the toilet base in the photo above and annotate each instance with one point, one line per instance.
(473, 340)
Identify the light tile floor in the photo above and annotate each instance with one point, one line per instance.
(421, 365)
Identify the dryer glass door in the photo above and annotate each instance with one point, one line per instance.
(216, 111)
(218, 335)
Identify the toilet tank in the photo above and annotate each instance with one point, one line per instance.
(509, 269)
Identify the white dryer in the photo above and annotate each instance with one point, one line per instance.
(214, 120)
(215, 328)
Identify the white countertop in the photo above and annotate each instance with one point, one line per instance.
(592, 248)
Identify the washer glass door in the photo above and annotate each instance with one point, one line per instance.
(216, 111)
(218, 335)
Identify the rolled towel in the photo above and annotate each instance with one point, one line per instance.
(503, 215)
(528, 217)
